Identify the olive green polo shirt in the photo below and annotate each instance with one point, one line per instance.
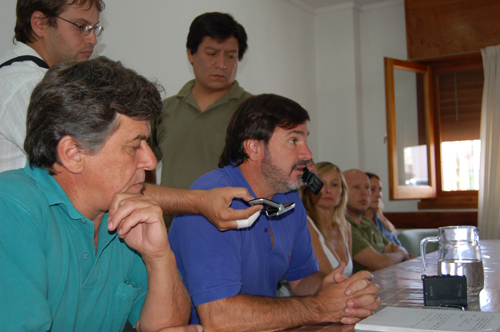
(188, 141)
(363, 236)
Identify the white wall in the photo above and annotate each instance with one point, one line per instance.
(383, 34)
(7, 22)
(339, 97)
(331, 62)
(352, 42)
(150, 37)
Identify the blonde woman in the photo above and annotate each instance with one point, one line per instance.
(374, 212)
(330, 232)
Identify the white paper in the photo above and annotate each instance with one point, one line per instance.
(424, 319)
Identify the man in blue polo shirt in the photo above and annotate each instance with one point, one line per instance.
(232, 276)
(81, 248)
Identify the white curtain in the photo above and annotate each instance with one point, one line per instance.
(489, 192)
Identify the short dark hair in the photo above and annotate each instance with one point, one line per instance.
(218, 26)
(257, 118)
(372, 175)
(50, 8)
(82, 99)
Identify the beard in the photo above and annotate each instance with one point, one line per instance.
(279, 180)
(356, 210)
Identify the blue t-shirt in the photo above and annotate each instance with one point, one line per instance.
(216, 265)
(387, 233)
(51, 275)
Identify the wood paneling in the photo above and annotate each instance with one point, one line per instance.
(443, 27)
(431, 219)
(460, 96)
(466, 199)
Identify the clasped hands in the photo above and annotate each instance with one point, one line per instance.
(348, 300)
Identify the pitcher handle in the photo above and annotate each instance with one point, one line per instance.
(423, 243)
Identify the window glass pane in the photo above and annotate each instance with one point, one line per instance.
(411, 139)
(416, 165)
(460, 162)
(460, 96)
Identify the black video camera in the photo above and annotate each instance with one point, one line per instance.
(445, 291)
(312, 181)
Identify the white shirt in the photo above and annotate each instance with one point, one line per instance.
(349, 266)
(17, 82)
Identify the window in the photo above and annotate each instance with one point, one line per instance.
(410, 136)
(433, 130)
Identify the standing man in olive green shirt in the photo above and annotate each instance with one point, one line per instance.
(189, 137)
(370, 248)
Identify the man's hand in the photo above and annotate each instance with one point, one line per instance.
(393, 247)
(215, 206)
(407, 255)
(138, 219)
(348, 300)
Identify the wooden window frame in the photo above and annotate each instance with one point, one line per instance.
(396, 191)
(432, 196)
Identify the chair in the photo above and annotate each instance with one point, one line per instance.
(410, 239)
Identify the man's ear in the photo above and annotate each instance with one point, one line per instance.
(39, 23)
(254, 149)
(190, 56)
(70, 155)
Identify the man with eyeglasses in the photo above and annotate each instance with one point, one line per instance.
(46, 32)
(232, 276)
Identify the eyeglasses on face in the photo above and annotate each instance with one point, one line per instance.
(85, 29)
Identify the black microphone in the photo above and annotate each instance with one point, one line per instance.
(312, 181)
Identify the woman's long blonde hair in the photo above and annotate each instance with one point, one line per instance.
(339, 213)
(387, 224)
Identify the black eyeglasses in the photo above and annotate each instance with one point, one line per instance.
(86, 29)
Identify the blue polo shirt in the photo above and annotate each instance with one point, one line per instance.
(216, 265)
(52, 278)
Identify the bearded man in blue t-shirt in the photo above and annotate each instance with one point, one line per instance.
(232, 276)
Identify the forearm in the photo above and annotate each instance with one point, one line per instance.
(255, 313)
(386, 260)
(338, 300)
(397, 253)
(167, 301)
(374, 261)
(394, 258)
(214, 204)
(309, 285)
(175, 201)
